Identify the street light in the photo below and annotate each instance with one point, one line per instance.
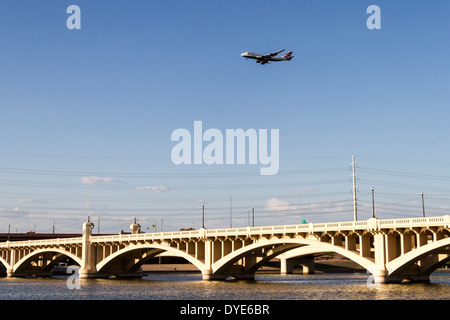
(373, 203)
(423, 206)
(253, 216)
(203, 215)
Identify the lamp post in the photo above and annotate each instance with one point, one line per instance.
(423, 206)
(231, 219)
(203, 215)
(253, 216)
(373, 203)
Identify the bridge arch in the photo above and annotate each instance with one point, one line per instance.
(227, 261)
(323, 248)
(22, 264)
(299, 247)
(151, 251)
(400, 265)
(5, 263)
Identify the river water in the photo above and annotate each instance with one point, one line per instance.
(186, 296)
(176, 286)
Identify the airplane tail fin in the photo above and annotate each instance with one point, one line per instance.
(288, 55)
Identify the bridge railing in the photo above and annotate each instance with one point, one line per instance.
(371, 224)
(410, 222)
(146, 236)
(44, 242)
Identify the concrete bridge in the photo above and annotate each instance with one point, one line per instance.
(392, 250)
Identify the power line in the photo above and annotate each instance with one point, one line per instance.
(29, 171)
(414, 175)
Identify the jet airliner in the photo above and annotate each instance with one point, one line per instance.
(265, 58)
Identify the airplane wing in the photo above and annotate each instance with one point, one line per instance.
(275, 53)
(267, 57)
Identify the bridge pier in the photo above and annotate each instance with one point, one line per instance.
(380, 276)
(287, 265)
(87, 268)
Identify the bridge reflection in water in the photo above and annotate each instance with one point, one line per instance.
(392, 250)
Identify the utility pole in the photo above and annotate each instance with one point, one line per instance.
(355, 211)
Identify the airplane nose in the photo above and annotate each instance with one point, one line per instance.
(243, 54)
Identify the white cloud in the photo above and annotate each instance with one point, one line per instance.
(155, 189)
(275, 204)
(32, 200)
(307, 190)
(96, 180)
(92, 205)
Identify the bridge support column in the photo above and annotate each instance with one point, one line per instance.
(207, 275)
(9, 272)
(364, 245)
(87, 268)
(206, 252)
(12, 262)
(380, 276)
(286, 266)
(308, 265)
(380, 273)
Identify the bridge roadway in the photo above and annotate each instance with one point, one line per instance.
(392, 250)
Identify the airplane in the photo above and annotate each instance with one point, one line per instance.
(265, 58)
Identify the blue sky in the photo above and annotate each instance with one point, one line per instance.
(87, 114)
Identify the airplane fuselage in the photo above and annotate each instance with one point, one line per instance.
(257, 56)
